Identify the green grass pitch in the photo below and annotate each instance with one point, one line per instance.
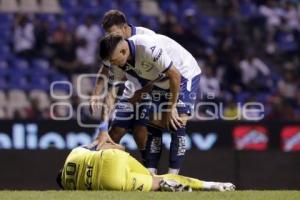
(108, 195)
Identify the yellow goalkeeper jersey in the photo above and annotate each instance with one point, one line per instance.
(109, 169)
(82, 170)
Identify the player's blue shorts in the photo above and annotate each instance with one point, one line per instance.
(128, 115)
(186, 98)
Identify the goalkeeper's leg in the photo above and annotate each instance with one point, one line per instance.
(139, 178)
(196, 184)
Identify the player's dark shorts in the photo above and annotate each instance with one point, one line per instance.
(128, 115)
(186, 99)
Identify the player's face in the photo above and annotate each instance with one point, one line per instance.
(120, 55)
(119, 30)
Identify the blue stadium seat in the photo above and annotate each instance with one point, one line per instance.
(7, 21)
(51, 19)
(67, 4)
(72, 7)
(130, 7)
(55, 76)
(40, 82)
(108, 4)
(90, 4)
(3, 82)
(20, 64)
(39, 63)
(3, 66)
(5, 52)
(169, 6)
(92, 7)
(19, 82)
(4, 71)
(6, 17)
(70, 20)
(189, 5)
(62, 87)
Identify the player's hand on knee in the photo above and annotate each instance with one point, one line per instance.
(175, 121)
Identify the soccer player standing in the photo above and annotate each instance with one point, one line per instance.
(158, 57)
(115, 21)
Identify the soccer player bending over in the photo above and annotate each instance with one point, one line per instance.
(107, 166)
(175, 75)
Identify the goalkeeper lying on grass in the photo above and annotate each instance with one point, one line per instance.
(106, 166)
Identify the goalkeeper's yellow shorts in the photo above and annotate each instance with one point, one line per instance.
(120, 171)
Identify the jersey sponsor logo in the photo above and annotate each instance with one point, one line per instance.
(124, 106)
(181, 146)
(250, 137)
(140, 188)
(290, 138)
(88, 177)
(152, 48)
(147, 66)
(180, 104)
(133, 184)
(134, 188)
(161, 76)
(157, 56)
(155, 146)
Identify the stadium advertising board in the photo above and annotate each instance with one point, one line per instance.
(250, 137)
(67, 135)
(290, 138)
(201, 135)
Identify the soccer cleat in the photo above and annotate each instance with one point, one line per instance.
(222, 187)
(173, 186)
(187, 189)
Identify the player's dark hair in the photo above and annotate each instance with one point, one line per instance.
(108, 44)
(113, 17)
(58, 179)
